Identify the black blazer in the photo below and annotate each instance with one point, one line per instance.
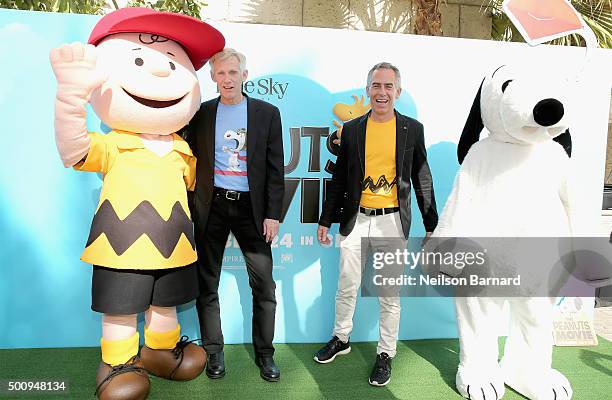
(265, 169)
(411, 165)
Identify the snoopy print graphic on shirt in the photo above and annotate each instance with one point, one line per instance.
(231, 147)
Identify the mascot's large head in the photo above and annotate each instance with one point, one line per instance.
(151, 59)
(519, 106)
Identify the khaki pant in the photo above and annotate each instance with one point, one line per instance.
(351, 254)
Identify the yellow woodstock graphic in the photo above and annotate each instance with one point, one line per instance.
(345, 112)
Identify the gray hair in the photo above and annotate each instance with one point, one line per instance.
(386, 65)
(225, 54)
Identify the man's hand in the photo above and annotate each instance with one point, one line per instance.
(322, 235)
(338, 134)
(270, 229)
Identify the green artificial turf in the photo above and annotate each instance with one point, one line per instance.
(422, 369)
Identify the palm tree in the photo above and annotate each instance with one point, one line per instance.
(596, 13)
(428, 20)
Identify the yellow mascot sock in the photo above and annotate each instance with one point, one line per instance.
(162, 340)
(116, 352)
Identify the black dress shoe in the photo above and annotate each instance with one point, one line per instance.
(215, 365)
(267, 369)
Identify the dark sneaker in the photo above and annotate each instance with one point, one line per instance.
(381, 374)
(333, 348)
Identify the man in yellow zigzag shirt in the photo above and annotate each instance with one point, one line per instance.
(382, 158)
(145, 88)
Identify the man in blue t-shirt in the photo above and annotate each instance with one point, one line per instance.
(239, 189)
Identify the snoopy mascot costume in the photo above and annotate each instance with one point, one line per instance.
(138, 73)
(514, 183)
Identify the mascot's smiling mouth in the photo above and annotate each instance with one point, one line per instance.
(154, 103)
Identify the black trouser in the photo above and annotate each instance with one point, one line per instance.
(235, 216)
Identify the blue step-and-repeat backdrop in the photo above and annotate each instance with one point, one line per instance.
(317, 78)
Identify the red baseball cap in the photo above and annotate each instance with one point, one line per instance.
(200, 40)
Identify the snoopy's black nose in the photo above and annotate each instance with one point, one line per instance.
(548, 112)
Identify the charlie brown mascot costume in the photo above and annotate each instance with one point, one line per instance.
(138, 72)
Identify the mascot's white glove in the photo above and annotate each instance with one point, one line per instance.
(74, 66)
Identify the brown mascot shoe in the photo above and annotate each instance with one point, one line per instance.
(128, 381)
(185, 362)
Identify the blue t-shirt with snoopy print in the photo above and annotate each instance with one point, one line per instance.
(230, 147)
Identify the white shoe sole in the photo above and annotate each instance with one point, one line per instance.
(379, 384)
(340, 353)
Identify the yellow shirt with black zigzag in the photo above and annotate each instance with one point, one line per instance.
(379, 188)
(142, 220)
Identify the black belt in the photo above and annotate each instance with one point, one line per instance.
(230, 194)
(377, 211)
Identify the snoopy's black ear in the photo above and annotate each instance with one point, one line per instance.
(565, 140)
(471, 130)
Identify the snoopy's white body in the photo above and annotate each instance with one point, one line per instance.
(509, 190)
(509, 187)
(234, 164)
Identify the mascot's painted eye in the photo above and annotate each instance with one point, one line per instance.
(505, 85)
(138, 61)
(172, 66)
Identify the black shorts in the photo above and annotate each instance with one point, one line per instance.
(131, 291)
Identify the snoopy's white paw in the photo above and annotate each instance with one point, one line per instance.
(536, 387)
(479, 384)
(561, 388)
